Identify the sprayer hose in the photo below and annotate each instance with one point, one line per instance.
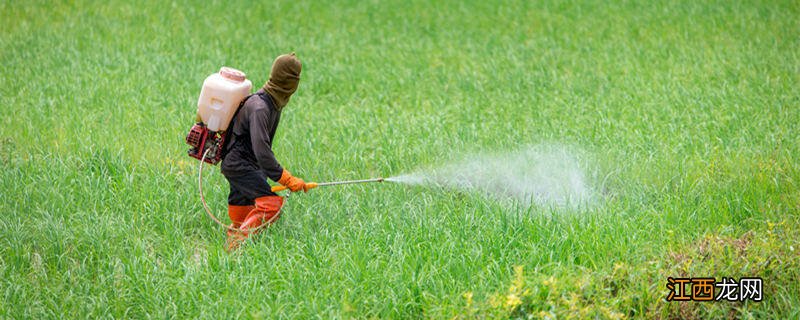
(211, 215)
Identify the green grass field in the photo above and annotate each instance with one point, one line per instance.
(688, 110)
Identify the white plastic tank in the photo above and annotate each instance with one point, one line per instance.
(220, 97)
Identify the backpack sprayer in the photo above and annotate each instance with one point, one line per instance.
(221, 96)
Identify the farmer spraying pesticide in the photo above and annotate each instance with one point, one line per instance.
(249, 159)
(241, 134)
(238, 129)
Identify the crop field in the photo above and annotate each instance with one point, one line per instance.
(684, 117)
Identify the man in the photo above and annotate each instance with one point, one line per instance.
(248, 159)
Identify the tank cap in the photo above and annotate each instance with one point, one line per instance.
(232, 74)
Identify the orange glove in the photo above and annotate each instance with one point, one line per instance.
(293, 183)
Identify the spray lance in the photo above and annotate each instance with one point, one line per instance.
(312, 185)
(220, 98)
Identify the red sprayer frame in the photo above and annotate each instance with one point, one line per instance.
(201, 139)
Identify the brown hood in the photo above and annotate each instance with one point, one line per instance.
(283, 79)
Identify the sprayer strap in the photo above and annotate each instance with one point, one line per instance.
(226, 145)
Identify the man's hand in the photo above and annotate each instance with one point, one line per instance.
(293, 183)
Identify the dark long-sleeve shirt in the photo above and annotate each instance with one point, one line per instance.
(251, 134)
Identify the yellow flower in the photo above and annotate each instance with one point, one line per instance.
(519, 278)
(512, 301)
(546, 315)
(550, 282)
(493, 301)
(468, 296)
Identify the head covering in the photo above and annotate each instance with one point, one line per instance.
(283, 79)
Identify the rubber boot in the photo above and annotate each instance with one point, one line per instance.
(267, 211)
(237, 215)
